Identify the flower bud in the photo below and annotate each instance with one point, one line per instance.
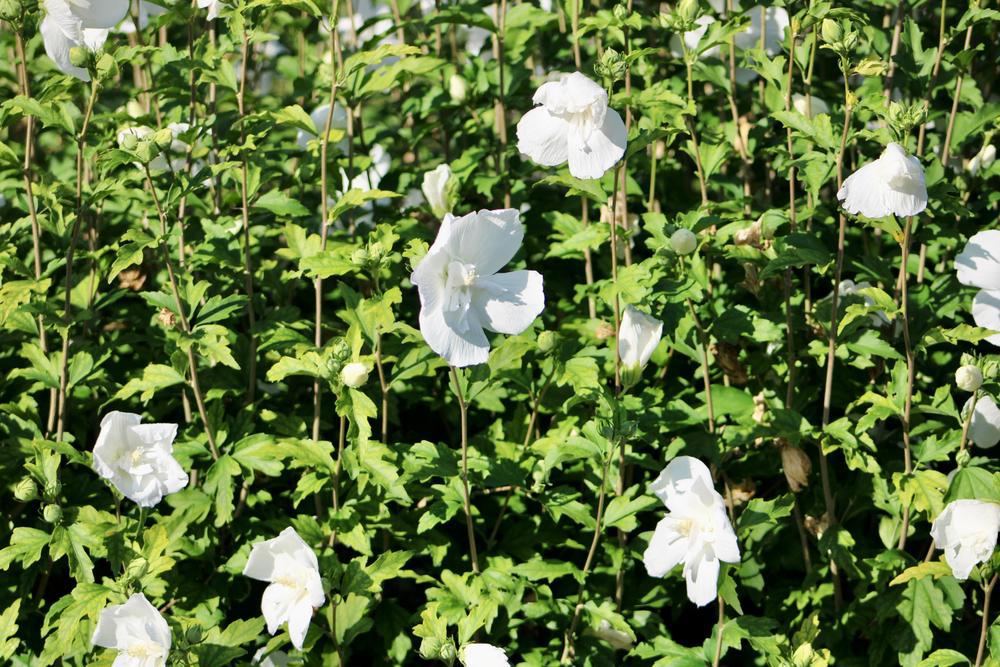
(129, 141)
(620, 12)
(163, 138)
(457, 88)
(354, 374)
(683, 241)
(963, 457)
(797, 467)
(137, 569)
(193, 635)
(146, 150)
(969, 378)
(546, 341)
(78, 56)
(26, 490)
(611, 65)
(53, 490)
(687, 10)
(52, 513)
(9, 9)
(831, 31)
(106, 67)
(447, 652)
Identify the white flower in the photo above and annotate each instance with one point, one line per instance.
(573, 124)
(983, 159)
(78, 23)
(967, 531)
(295, 591)
(435, 188)
(272, 659)
(978, 265)
(360, 24)
(138, 458)
(638, 336)
(891, 185)
(457, 88)
(683, 241)
(213, 6)
(461, 291)
(370, 178)
(984, 429)
(484, 655)
(136, 630)
(354, 374)
(850, 288)
(319, 116)
(802, 104)
(773, 26)
(695, 532)
(969, 377)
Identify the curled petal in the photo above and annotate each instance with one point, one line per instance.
(591, 154)
(511, 301)
(701, 571)
(543, 137)
(667, 547)
(978, 265)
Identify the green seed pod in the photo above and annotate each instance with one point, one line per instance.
(687, 10)
(52, 514)
(547, 341)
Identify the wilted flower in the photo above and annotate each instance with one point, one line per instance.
(461, 291)
(573, 124)
(638, 336)
(984, 429)
(484, 655)
(683, 241)
(354, 374)
(291, 567)
(967, 531)
(978, 265)
(71, 24)
(213, 6)
(435, 188)
(983, 159)
(136, 630)
(850, 288)
(797, 467)
(137, 458)
(809, 105)
(969, 377)
(891, 185)
(695, 532)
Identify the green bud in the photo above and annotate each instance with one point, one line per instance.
(631, 375)
(611, 66)
(107, 67)
(9, 9)
(163, 138)
(193, 634)
(53, 490)
(684, 241)
(137, 569)
(129, 141)
(447, 652)
(146, 150)
(52, 513)
(26, 490)
(359, 257)
(850, 40)
(547, 341)
(873, 67)
(687, 10)
(962, 458)
(79, 56)
(831, 31)
(620, 12)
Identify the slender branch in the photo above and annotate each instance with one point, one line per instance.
(946, 151)
(985, 627)
(245, 210)
(893, 49)
(731, 97)
(324, 208)
(706, 379)
(81, 147)
(702, 184)
(910, 371)
(721, 624)
(185, 324)
(335, 493)
(466, 502)
(500, 109)
(922, 133)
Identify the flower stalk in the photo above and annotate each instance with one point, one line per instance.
(245, 211)
(466, 501)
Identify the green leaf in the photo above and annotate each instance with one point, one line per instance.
(280, 204)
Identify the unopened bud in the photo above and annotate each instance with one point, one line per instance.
(354, 374)
(969, 378)
(26, 490)
(447, 652)
(193, 634)
(106, 67)
(457, 88)
(963, 457)
(611, 65)
(620, 12)
(137, 569)
(831, 31)
(687, 10)
(78, 56)
(797, 467)
(128, 141)
(163, 138)
(683, 241)
(52, 513)
(9, 9)
(546, 341)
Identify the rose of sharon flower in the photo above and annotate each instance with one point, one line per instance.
(291, 567)
(967, 531)
(984, 159)
(462, 293)
(435, 189)
(136, 630)
(984, 429)
(978, 265)
(138, 458)
(73, 23)
(573, 124)
(638, 336)
(891, 185)
(695, 532)
(213, 6)
(484, 655)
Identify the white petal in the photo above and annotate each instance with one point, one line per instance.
(486, 239)
(57, 46)
(638, 336)
(986, 312)
(774, 25)
(590, 155)
(276, 605)
(298, 623)
(679, 477)
(978, 265)
(727, 549)
(509, 302)
(484, 655)
(891, 185)
(984, 429)
(573, 93)
(467, 346)
(701, 571)
(103, 13)
(667, 547)
(543, 137)
(261, 562)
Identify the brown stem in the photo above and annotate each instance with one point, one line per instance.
(500, 110)
(985, 627)
(718, 639)
(893, 49)
(185, 324)
(466, 502)
(245, 210)
(910, 372)
(922, 134)
(946, 151)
